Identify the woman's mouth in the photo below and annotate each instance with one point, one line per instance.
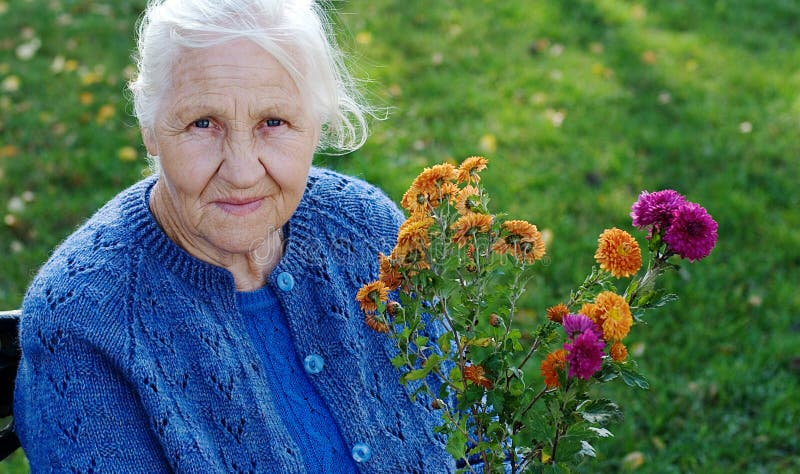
(239, 207)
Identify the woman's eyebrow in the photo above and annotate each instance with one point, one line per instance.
(258, 110)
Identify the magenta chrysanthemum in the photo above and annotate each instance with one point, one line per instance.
(693, 232)
(584, 355)
(656, 208)
(579, 323)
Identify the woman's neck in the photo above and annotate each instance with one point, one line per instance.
(249, 269)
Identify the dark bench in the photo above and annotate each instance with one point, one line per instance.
(9, 361)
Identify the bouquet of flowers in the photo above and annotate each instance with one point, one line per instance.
(456, 277)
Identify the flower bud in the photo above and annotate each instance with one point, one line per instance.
(393, 307)
(437, 404)
(494, 320)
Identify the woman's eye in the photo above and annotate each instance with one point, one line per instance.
(273, 122)
(202, 123)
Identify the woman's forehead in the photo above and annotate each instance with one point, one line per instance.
(228, 74)
(237, 61)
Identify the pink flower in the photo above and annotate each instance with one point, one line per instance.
(656, 208)
(693, 232)
(578, 324)
(584, 355)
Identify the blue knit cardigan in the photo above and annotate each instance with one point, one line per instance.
(136, 359)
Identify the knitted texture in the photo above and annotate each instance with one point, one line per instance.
(135, 357)
(303, 411)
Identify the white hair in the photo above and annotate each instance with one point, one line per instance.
(296, 33)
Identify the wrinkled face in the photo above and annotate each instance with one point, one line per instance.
(235, 144)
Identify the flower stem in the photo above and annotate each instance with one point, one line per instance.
(533, 402)
(536, 343)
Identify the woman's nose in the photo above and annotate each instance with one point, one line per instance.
(241, 164)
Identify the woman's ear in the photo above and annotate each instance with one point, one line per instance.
(150, 143)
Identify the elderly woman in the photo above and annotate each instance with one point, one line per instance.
(204, 319)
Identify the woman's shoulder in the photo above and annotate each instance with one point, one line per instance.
(352, 200)
(89, 265)
(109, 231)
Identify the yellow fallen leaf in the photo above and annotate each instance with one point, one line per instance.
(488, 143)
(638, 348)
(105, 113)
(127, 153)
(90, 77)
(633, 460)
(11, 84)
(8, 151)
(547, 237)
(364, 38)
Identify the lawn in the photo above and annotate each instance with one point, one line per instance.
(579, 105)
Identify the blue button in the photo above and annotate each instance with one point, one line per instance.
(313, 364)
(285, 281)
(361, 452)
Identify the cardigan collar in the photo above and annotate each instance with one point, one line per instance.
(299, 239)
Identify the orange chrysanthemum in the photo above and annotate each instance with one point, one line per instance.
(616, 315)
(591, 310)
(556, 313)
(389, 273)
(468, 225)
(370, 294)
(475, 374)
(469, 169)
(524, 241)
(449, 192)
(618, 351)
(431, 179)
(551, 365)
(417, 226)
(618, 253)
(468, 198)
(376, 322)
(411, 260)
(413, 236)
(416, 200)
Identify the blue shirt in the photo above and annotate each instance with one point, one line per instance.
(304, 413)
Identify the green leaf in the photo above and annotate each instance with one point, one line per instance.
(456, 444)
(416, 374)
(398, 361)
(472, 395)
(433, 361)
(587, 450)
(631, 376)
(516, 387)
(599, 412)
(600, 432)
(608, 373)
(444, 342)
(496, 398)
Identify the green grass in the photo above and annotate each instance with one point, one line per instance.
(699, 96)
